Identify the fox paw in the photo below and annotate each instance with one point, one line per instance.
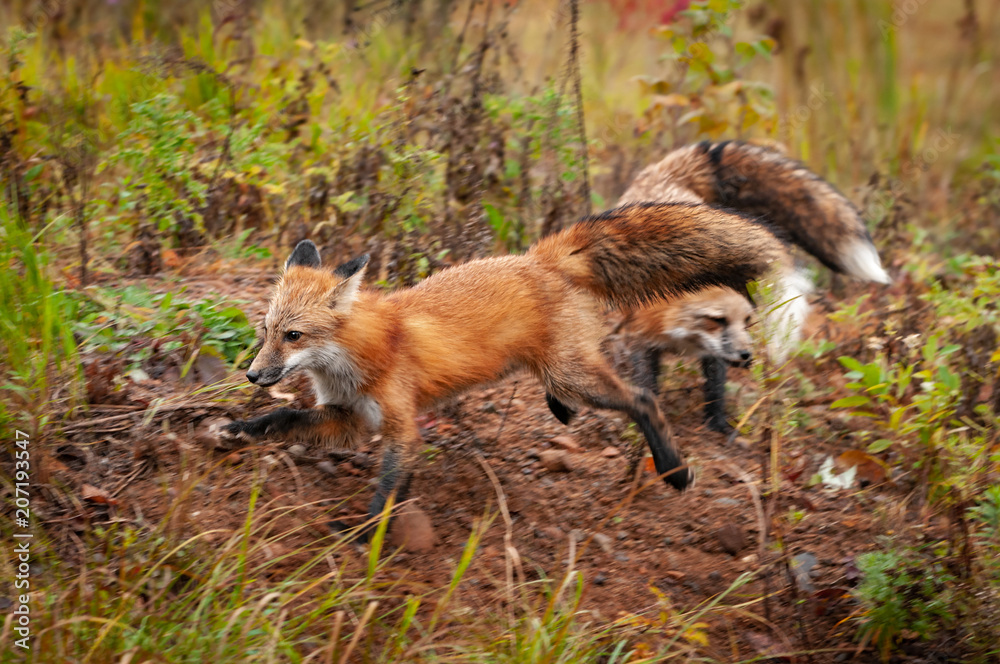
(720, 425)
(218, 433)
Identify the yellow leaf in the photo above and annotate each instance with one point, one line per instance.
(305, 44)
(996, 356)
(671, 101)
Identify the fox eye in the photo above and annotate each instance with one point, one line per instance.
(749, 321)
(293, 336)
(718, 320)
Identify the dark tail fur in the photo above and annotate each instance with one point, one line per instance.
(641, 253)
(762, 182)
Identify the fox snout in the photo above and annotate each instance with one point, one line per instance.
(745, 360)
(265, 377)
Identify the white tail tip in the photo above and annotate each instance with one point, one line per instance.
(860, 260)
(786, 309)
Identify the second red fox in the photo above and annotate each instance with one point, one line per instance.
(378, 360)
(712, 323)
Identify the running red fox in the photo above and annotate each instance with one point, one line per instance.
(712, 323)
(378, 360)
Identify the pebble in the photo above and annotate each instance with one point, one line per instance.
(728, 502)
(603, 541)
(600, 579)
(610, 451)
(714, 577)
(327, 467)
(412, 529)
(488, 407)
(527, 471)
(622, 534)
(362, 461)
(555, 461)
(567, 443)
(297, 451)
(731, 537)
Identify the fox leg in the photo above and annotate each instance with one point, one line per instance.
(596, 385)
(401, 439)
(333, 425)
(714, 370)
(646, 368)
(562, 412)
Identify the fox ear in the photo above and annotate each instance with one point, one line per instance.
(349, 268)
(305, 255)
(346, 292)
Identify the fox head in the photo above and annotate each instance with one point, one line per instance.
(713, 323)
(309, 305)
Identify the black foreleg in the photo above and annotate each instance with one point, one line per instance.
(646, 369)
(715, 370)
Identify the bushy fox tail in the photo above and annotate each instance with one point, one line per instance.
(761, 182)
(641, 253)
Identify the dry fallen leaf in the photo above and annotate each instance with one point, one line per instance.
(870, 470)
(95, 495)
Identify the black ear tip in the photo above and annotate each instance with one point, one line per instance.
(352, 266)
(305, 254)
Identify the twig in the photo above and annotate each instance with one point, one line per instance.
(574, 70)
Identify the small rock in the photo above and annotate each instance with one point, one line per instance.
(412, 530)
(707, 492)
(362, 461)
(600, 579)
(610, 451)
(728, 502)
(603, 541)
(297, 451)
(488, 407)
(714, 577)
(621, 557)
(327, 467)
(555, 461)
(527, 471)
(567, 443)
(621, 535)
(802, 565)
(550, 532)
(731, 537)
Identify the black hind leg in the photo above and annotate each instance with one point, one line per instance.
(596, 385)
(562, 412)
(715, 370)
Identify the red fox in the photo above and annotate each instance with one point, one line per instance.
(712, 323)
(377, 360)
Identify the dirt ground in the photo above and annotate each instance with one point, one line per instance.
(565, 488)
